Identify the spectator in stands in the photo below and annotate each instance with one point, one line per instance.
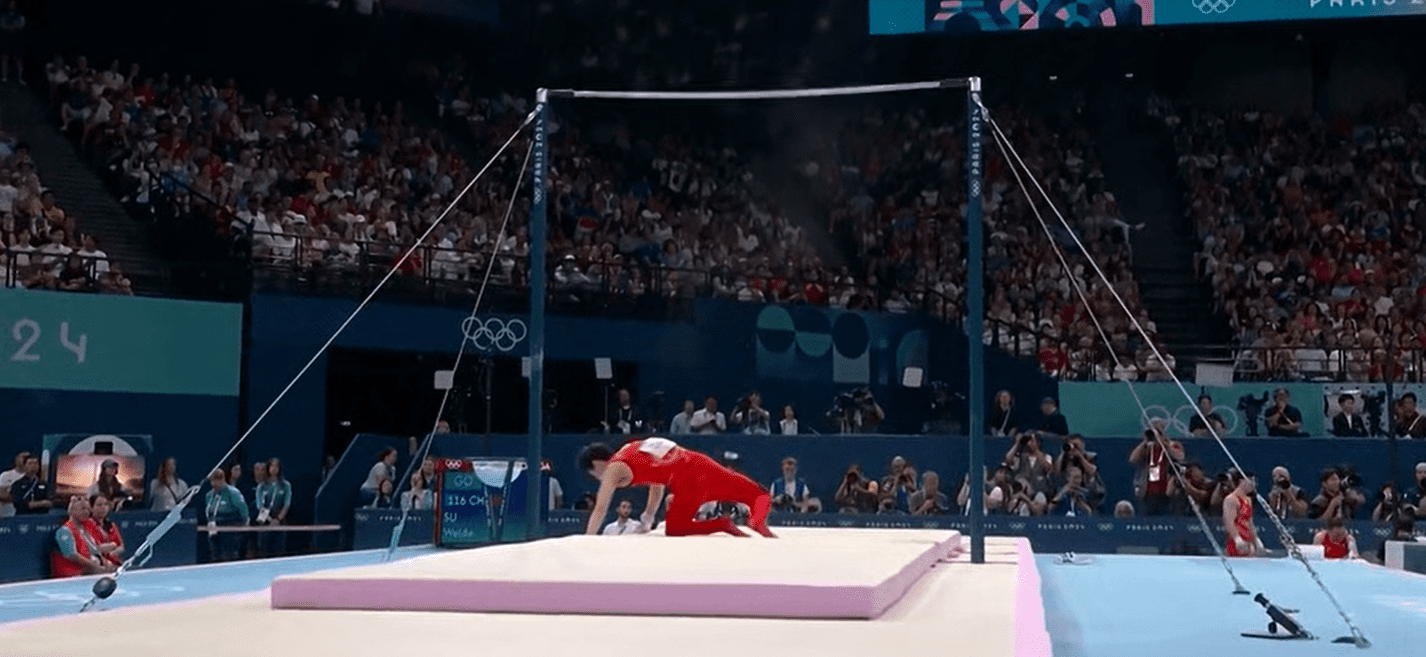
(1053, 421)
(1336, 541)
(12, 43)
(788, 425)
(7, 479)
(30, 494)
(547, 468)
(708, 419)
(417, 497)
(108, 484)
(74, 277)
(679, 425)
(790, 493)
(114, 282)
(1286, 499)
(928, 499)
(1002, 415)
(856, 493)
(1154, 483)
(1123, 509)
(1283, 419)
(167, 488)
(624, 414)
(1334, 500)
(273, 498)
(1409, 422)
(104, 531)
(1347, 423)
(329, 465)
(75, 554)
(1390, 505)
(224, 507)
(751, 416)
(384, 468)
(1196, 425)
(385, 496)
(624, 523)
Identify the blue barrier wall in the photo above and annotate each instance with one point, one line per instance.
(26, 542)
(798, 355)
(1047, 535)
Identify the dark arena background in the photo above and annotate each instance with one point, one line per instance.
(1045, 327)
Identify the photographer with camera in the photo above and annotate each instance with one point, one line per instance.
(1073, 497)
(790, 492)
(1286, 499)
(751, 416)
(929, 500)
(857, 493)
(1154, 483)
(1338, 498)
(856, 412)
(1416, 495)
(1074, 455)
(1030, 464)
(899, 484)
(1390, 506)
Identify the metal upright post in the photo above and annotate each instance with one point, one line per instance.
(975, 319)
(535, 502)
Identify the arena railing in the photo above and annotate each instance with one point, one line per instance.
(13, 274)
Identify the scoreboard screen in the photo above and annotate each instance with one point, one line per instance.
(481, 500)
(978, 16)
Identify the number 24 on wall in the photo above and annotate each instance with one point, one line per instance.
(26, 333)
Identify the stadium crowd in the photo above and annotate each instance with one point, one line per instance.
(41, 247)
(332, 186)
(1312, 236)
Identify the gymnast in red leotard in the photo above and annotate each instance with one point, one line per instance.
(1238, 518)
(1336, 541)
(691, 478)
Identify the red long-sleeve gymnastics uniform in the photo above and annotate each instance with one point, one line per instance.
(692, 479)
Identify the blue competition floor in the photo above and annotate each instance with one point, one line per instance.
(26, 600)
(1116, 606)
(1132, 606)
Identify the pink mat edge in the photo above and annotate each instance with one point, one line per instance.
(1032, 637)
(857, 602)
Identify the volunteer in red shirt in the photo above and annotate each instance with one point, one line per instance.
(103, 530)
(691, 478)
(75, 552)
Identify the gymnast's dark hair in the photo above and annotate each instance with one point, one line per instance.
(593, 452)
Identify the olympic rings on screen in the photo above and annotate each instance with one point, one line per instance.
(494, 333)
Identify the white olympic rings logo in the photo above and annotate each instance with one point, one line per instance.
(1213, 6)
(494, 332)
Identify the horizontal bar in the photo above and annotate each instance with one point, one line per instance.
(767, 94)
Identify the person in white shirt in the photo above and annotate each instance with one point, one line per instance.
(7, 479)
(624, 523)
(788, 424)
(708, 419)
(92, 253)
(679, 425)
(167, 488)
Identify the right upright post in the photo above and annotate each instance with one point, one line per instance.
(975, 318)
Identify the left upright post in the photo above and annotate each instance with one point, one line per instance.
(534, 501)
